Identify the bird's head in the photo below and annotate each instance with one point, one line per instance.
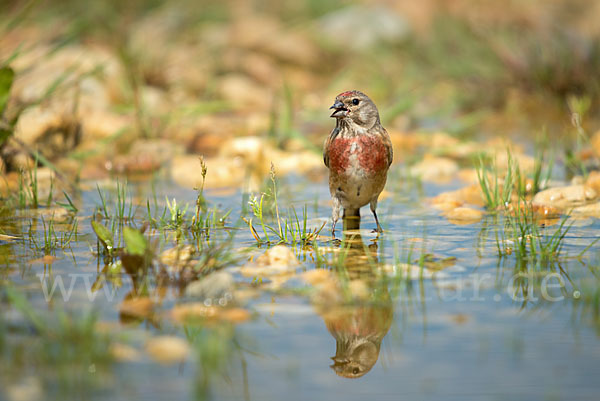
(357, 359)
(355, 107)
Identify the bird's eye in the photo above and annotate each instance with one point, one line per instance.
(355, 102)
(355, 370)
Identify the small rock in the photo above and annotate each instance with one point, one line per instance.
(436, 169)
(591, 210)
(277, 260)
(46, 260)
(253, 151)
(243, 295)
(464, 215)
(544, 211)
(34, 121)
(144, 157)
(316, 276)
(20, 161)
(235, 315)
(593, 181)
(595, 142)
(100, 124)
(207, 144)
(468, 175)
(215, 286)
(124, 353)
(51, 130)
(10, 182)
(177, 258)
(577, 180)
(167, 349)
(447, 205)
(244, 92)
(565, 197)
(195, 310)
(140, 307)
(222, 172)
(279, 255)
(404, 143)
(471, 195)
(297, 162)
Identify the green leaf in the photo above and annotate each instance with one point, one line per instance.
(104, 235)
(135, 242)
(70, 206)
(7, 76)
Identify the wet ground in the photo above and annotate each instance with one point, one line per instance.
(428, 309)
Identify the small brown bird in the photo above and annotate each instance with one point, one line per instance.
(358, 153)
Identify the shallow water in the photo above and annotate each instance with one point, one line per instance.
(461, 327)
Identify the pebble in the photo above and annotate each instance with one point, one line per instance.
(124, 353)
(591, 210)
(167, 350)
(470, 194)
(193, 310)
(277, 260)
(565, 197)
(140, 307)
(177, 258)
(435, 169)
(464, 215)
(215, 286)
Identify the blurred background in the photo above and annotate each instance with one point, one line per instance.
(127, 86)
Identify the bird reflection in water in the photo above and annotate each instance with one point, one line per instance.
(361, 314)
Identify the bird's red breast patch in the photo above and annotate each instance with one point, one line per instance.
(369, 151)
(373, 154)
(339, 154)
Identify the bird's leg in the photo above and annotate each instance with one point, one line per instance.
(351, 219)
(373, 206)
(335, 214)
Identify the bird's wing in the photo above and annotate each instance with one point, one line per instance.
(328, 141)
(387, 142)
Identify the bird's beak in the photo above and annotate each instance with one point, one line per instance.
(340, 110)
(339, 360)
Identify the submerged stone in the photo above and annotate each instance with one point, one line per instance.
(215, 286)
(277, 260)
(167, 349)
(464, 215)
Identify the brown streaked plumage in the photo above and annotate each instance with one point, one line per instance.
(358, 153)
